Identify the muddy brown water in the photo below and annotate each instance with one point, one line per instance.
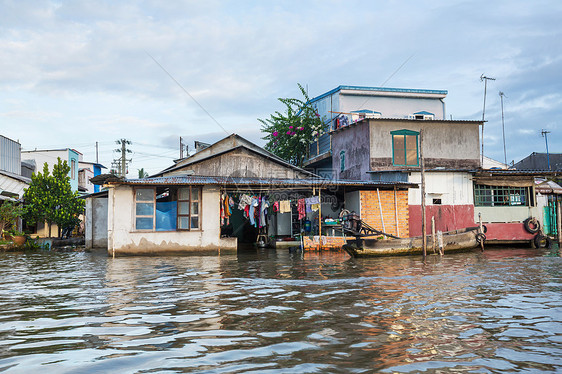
(267, 311)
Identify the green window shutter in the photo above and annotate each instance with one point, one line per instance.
(405, 149)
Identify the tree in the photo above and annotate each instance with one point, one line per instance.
(9, 212)
(49, 198)
(289, 134)
(142, 173)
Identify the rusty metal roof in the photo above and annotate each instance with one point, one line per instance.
(260, 182)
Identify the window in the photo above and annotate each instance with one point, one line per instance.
(501, 196)
(342, 160)
(167, 208)
(72, 169)
(405, 148)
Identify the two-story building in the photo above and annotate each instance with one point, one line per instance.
(347, 104)
(50, 156)
(388, 149)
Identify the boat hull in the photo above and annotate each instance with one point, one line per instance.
(457, 240)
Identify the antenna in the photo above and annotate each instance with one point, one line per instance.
(545, 133)
(485, 79)
(503, 130)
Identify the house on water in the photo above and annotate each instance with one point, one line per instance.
(234, 193)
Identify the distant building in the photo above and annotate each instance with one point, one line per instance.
(12, 183)
(50, 156)
(540, 161)
(88, 170)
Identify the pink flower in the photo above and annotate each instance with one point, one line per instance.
(290, 127)
(275, 133)
(301, 128)
(288, 132)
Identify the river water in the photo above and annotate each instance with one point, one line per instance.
(267, 311)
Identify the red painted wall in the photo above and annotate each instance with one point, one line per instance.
(507, 231)
(447, 218)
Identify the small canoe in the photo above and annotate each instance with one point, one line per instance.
(457, 240)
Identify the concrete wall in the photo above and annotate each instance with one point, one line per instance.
(456, 211)
(95, 227)
(453, 188)
(507, 214)
(355, 142)
(123, 240)
(393, 106)
(449, 144)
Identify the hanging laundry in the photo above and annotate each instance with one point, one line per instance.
(276, 206)
(263, 212)
(308, 203)
(245, 200)
(301, 207)
(285, 206)
(252, 212)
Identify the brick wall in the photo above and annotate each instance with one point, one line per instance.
(371, 211)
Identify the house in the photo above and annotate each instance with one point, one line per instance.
(348, 104)
(86, 171)
(388, 149)
(193, 205)
(12, 183)
(540, 161)
(50, 156)
(505, 199)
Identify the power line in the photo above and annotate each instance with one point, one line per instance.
(184, 90)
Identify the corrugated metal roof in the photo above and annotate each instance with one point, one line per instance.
(259, 182)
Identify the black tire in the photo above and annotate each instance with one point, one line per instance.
(480, 238)
(532, 225)
(542, 241)
(484, 229)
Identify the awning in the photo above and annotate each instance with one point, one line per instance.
(548, 187)
(506, 181)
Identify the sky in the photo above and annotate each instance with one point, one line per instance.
(73, 73)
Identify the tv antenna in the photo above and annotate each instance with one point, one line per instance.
(485, 79)
(545, 133)
(503, 129)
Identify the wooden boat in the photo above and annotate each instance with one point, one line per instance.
(457, 240)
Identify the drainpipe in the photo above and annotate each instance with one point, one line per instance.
(444, 114)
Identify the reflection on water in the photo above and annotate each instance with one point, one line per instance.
(272, 311)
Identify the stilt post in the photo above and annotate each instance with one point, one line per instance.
(559, 221)
(422, 171)
(433, 232)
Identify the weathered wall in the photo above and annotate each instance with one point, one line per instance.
(243, 163)
(507, 214)
(447, 218)
(453, 188)
(449, 144)
(395, 224)
(99, 223)
(123, 240)
(355, 142)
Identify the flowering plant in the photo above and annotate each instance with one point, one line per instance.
(289, 134)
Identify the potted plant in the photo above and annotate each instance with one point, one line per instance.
(18, 238)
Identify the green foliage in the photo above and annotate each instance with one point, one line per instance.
(50, 199)
(289, 134)
(10, 211)
(142, 173)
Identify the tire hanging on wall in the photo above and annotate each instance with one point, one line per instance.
(532, 225)
(542, 241)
